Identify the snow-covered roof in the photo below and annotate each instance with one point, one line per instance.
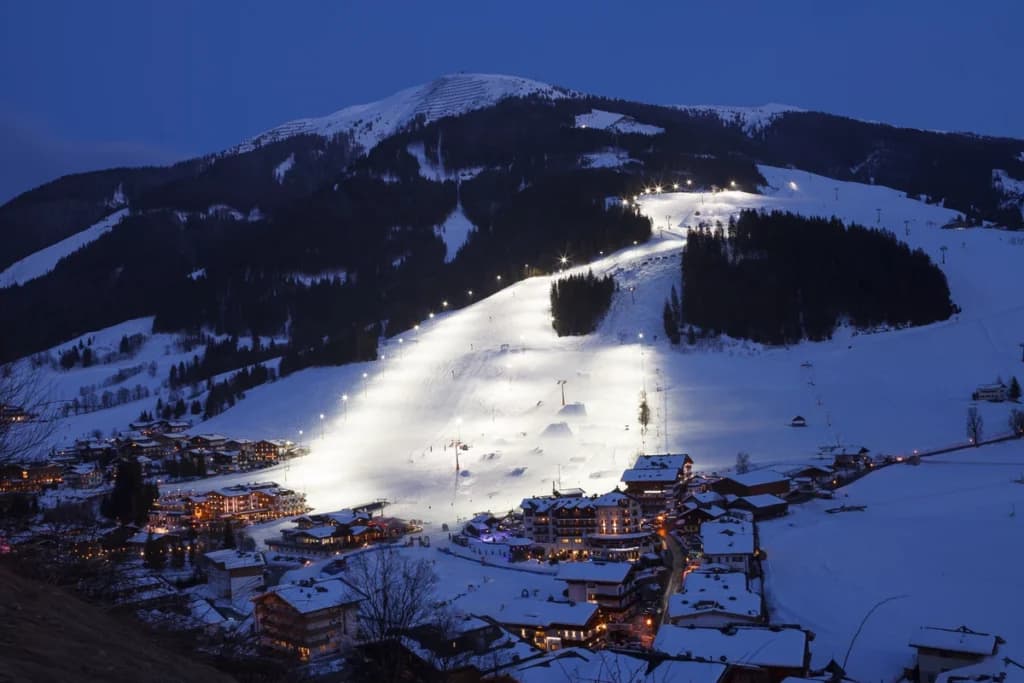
(231, 558)
(715, 591)
(529, 612)
(596, 572)
(757, 477)
(580, 664)
(727, 537)
(706, 498)
(318, 596)
(763, 500)
(673, 461)
(760, 646)
(610, 499)
(954, 640)
(649, 474)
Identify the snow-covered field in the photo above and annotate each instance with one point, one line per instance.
(942, 539)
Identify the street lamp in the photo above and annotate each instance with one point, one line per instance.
(365, 376)
(562, 383)
(444, 304)
(321, 426)
(344, 403)
(499, 278)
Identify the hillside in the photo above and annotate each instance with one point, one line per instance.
(48, 634)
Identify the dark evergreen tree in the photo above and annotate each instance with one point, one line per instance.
(1013, 393)
(671, 323)
(152, 554)
(229, 535)
(578, 302)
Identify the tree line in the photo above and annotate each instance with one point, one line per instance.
(579, 302)
(778, 278)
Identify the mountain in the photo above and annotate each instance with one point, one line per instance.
(328, 232)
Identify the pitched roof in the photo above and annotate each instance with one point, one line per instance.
(317, 596)
(960, 639)
(760, 646)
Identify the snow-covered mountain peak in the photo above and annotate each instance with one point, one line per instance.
(449, 95)
(751, 119)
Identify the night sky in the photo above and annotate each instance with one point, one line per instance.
(92, 85)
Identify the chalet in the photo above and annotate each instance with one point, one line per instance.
(270, 450)
(691, 517)
(177, 427)
(609, 585)
(12, 413)
(706, 499)
(150, 448)
(207, 441)
(763, 506)
(329, 534)
(944, 649)
(551, 625)
(234, 574)
(851, 461)
(653, 479)
(465, 650)
(819, 475)
(996, 393)
(767, 653)
(715, 598)
(752, 483)
(83, 476)
(729, 542)
(308, 620)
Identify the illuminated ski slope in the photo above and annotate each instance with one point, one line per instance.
(891, 391)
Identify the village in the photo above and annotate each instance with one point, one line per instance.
(663, 576)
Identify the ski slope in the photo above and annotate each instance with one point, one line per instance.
(891, 391)
(39, 263)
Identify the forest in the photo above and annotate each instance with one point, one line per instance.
(778, 278)
(579, 302)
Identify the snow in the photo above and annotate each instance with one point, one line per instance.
(727, 536)
(450, 95)
(759, 646)
(607, 158)
(455, 232)
(717, 591)
(197, 274)
(43, 261)
(310, 279)
(281, 170)
(954, 640)
(437, 172)
(1011, 187)
(578, 664)
(617, 123)
(750, 119)
(940, 541)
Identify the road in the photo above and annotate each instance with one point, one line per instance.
(676, 577)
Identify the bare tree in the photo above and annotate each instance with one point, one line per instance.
(398, 592)
(742, 462)
(975, 425)
(26, 413)
(1017, 422)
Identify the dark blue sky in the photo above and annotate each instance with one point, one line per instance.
(88, 85)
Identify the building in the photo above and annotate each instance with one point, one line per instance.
(308, 620)
(31, 478)
(607, 527)
(250, 502)
(690, 518)
(762, 506)
(234, 574)
(551, 625)
(715, 598)
(330, 533)
(83, 476)
(766, 654)
(609, 585)
(753, 483)
(465, 649)
(997, 393)
(729, 542)
(269, 451)
(653, 479)
(945, 649)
